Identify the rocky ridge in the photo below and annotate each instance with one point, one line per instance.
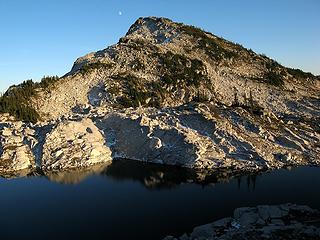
(171, 94)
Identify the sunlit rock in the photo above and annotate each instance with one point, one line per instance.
(74, 144)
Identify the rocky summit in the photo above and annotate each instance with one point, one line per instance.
(166, 93)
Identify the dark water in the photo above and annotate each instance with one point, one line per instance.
(131, 200)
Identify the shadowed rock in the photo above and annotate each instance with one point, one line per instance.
(286, 221)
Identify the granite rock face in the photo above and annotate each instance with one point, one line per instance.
(203, 136)
(170, 94)
(15, 151)
(207, 136)
(286, 221)
(74, 144)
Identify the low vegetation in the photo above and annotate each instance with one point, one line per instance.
(134, 93)
(179, 69)
(212, 45)
(138, 44)
(92, 66)
(176, 72)
(274, 74)
(274, 78)
(297, 73)
(249, 104)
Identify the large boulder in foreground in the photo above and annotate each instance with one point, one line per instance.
(74, 144)
(286, 221)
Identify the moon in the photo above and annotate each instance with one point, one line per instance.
(120, 13)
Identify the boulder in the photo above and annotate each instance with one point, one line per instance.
(15, 153)
(244, 225)
(74, 144)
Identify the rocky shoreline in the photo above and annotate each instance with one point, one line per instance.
(285, 221)
(192, 136)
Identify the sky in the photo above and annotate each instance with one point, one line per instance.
(40, 38)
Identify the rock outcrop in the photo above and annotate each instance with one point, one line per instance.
(285, 221)
(206, 136)
(170, 94)
(74, 144)
(15, 152)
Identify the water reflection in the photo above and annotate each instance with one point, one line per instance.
(18, 174)
(250, 182)
(152, 176)
(75, 176)
(131, 200)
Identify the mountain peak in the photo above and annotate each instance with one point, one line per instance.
(220, 104)
(154, 29)
(152, 23)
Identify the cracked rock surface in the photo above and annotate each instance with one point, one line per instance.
(74, 144)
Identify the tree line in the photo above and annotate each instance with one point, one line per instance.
(17, 99)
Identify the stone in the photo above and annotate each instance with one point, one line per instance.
(224, 222)
(274, 229)
(278, 222)
(90, 150)
(169, 238)
(58, 153)
(6, 132)
(204, 231)
(248, 218)
(15, 154)
(184, 237)
(275, 212)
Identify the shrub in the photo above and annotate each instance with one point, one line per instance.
(47, 81)
(249, 104)
(134, 94)
(91, 66)
(200, 97)
(179, 68)
(137, 65)
(274, 75)
(274, 78)
(297, 73)
(212, 47)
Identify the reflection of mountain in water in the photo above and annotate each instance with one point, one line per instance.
(152, 176)
(156, 176)
(18, 174)
(75, 176)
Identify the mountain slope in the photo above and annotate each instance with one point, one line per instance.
(173, 94)
(160, 63)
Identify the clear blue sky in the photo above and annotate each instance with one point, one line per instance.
(40, 37)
